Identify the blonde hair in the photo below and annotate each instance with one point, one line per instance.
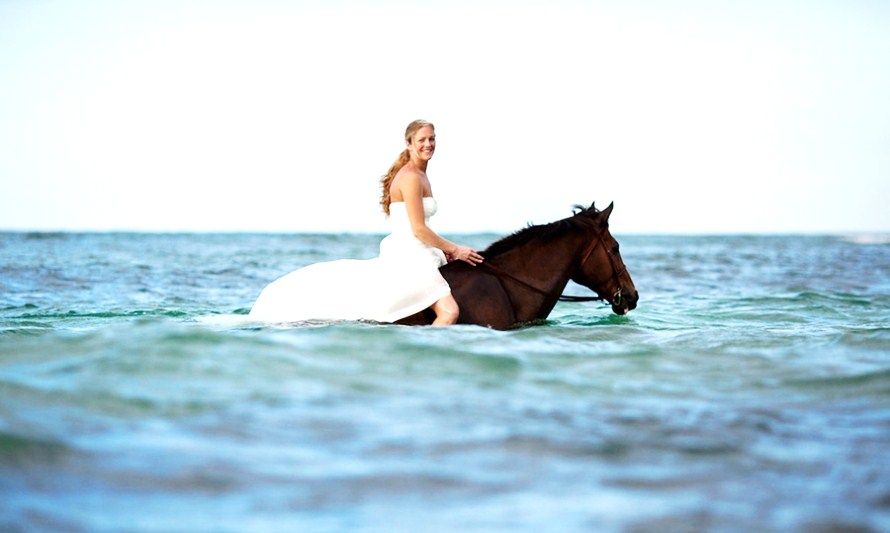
(401, 161)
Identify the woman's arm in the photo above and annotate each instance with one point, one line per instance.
(412, 191)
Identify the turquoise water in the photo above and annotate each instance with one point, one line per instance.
(749, 391)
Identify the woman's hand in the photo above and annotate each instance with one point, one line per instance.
(464, 253)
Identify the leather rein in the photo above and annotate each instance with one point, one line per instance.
(563, 298)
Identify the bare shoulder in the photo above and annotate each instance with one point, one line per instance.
(408, 182)
(408, 174)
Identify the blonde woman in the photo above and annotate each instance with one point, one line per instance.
(403, 280)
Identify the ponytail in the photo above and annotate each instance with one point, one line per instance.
(386, 180)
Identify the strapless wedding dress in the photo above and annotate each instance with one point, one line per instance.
(401, 281)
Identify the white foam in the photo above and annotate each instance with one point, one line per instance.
(227, 321)
(868, 238)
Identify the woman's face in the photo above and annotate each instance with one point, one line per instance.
(424, 143)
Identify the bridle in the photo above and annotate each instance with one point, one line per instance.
(616, 273)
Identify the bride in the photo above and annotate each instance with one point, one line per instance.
(403, 280)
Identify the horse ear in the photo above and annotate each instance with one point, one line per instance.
(606, 213)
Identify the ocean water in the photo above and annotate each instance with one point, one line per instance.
(749, 391)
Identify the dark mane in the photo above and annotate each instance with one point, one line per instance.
(544, 232)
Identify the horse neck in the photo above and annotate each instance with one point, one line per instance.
(547, 266)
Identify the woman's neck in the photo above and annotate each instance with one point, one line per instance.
(419, 164)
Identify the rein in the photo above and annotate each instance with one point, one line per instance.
(563, 298)
(504, 274)
(569, 298)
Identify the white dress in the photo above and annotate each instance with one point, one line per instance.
(403, 280)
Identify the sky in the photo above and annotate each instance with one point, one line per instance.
(693, 117)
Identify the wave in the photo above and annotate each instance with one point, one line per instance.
(46, 235)
(867, 238)
(860, 385)
(17, 449)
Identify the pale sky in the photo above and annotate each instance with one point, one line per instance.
(692, 116)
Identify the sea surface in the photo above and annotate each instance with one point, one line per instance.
(749, 391)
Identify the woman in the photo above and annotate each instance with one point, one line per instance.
(403, 280)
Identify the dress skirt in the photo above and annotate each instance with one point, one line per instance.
(404, 279)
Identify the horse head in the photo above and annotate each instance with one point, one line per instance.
(600, 267)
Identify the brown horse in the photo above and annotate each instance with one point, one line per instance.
(524, 274)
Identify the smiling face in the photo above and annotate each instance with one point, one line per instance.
(423, 143)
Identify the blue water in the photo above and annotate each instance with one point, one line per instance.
(749, 391)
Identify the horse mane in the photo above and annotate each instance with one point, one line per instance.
(544, 232)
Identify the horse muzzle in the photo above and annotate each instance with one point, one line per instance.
(624, 301)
